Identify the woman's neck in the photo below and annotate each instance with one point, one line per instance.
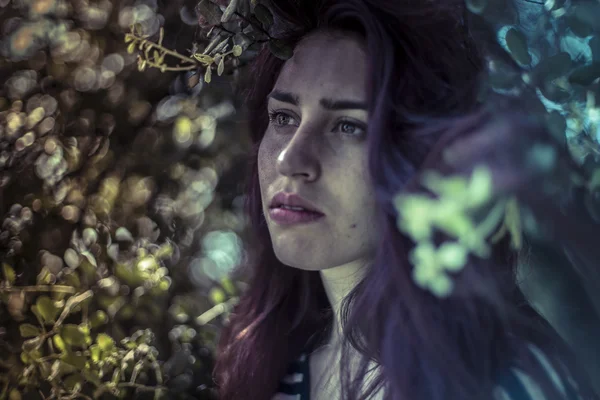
(338, 283)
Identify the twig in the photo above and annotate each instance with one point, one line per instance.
(39, 288)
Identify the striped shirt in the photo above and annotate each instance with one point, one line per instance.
(514, 384)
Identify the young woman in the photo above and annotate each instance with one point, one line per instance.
(376, 92)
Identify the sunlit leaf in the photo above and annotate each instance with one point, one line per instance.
(217, 296)
(452, 255)
(73, 336)
(98, 318)
(9, 273)
(105, 342)
(59, 343)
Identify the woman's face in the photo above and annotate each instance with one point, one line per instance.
(315, 146)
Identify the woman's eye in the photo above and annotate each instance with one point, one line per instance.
(350, 128)
(347, 128)
(280, 118)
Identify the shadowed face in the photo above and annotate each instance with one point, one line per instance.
(315, 146)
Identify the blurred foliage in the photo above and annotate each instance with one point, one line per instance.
(120, 200)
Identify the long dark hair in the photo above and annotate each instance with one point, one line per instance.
(424, 78)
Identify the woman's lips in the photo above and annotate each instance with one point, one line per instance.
(285, 216)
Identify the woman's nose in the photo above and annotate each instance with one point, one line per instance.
(300, 156)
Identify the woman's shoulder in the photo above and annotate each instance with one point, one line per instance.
(516, 384)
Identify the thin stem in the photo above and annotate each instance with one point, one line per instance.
(39, 288)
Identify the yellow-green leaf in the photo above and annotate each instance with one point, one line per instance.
(98, 318)
(14, 395)
(105, 342)
(48, 311)
(76, 360)
(217, 296)
(221, 67)
(237, 50)
(228, 286)
(59, 343)
(29, 330)
(208, 75)
(95, 352)
(9, 273)
(452, 255)
(203, 58)
(73, 336)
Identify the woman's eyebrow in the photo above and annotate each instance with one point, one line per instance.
(329, 104)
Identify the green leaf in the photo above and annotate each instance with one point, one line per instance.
(95, 352)
(480, 187)
(237, 50)
(14, 395)
(228, 286)
(208, 75)
(442, 286)
(453, 256)
(517, 45)
(221, 67)
(204, 59)
(281, 49)
(29, 330)
(98, 318)
(105, 342)
(32, 344)
(9, 273)
(76, 360)
(48, 311)
(585, 75)
(217, 296)
(264, 15)
(59, 343)
(73, 336)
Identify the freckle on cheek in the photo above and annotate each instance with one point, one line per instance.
(353, 226)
